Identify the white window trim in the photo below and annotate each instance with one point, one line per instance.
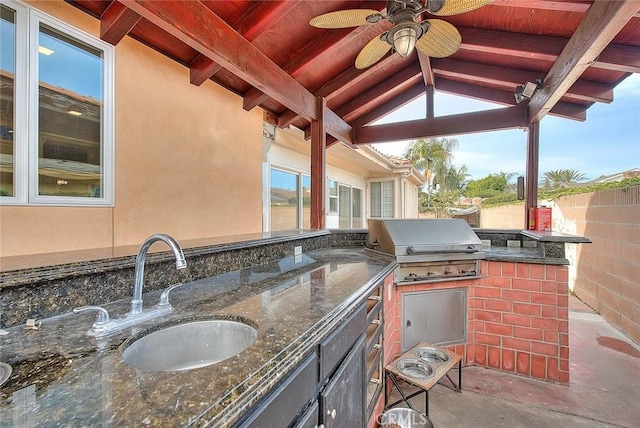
(267, 195)
(25, 162)
(373, 180)
(337, 212)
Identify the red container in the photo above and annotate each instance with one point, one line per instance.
(540, 218)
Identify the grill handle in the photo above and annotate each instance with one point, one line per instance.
(470, 249)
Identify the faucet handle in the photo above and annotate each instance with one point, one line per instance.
(164, 297)
(102, 317)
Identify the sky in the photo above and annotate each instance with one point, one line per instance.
(606, 143)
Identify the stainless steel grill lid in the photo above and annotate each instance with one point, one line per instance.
(424, 239)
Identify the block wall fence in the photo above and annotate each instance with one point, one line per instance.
(606, 273)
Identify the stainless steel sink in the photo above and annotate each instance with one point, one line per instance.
(189, 345)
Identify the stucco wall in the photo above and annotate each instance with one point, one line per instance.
(188, 161)
(606, 273)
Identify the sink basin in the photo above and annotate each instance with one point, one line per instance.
(189, 345)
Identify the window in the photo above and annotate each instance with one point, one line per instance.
(344, 207)
(381, 199)
(357, 208)
(333, 197)
(349, 206)
(290, 200)
(56, 112)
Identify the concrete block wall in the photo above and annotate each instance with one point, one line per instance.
(607, 275)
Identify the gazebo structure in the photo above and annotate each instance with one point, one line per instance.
(534, 57)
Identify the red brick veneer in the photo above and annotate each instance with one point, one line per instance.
(518, 319)
(521, 320)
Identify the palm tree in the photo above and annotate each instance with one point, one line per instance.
(433, 157)
(560, 177)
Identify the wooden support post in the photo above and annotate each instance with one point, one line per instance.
(318, 167)
(430, 103)
(533, 152)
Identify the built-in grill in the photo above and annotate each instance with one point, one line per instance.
(427, 249)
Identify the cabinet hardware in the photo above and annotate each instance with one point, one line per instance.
(376, 322)
(332, 413)
(376, 298)
(377, 346)
(374, 380)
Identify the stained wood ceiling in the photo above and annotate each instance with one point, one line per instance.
(266, 52)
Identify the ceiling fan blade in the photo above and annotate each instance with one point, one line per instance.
(346, 18)
(456, 7)
(441, 39)
(372, 52)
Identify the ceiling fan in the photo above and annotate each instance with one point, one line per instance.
(433, 37)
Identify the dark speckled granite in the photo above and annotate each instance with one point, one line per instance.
(77, 380)
(48, 291)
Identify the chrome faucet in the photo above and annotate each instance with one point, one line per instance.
(136, 302)
(105, 325)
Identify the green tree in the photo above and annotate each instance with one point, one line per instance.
(433, 158)
(558, 178)
(489, 186)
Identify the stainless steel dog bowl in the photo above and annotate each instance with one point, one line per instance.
(432, 355)
(414, 368)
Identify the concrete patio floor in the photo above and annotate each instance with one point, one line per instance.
(604, 388)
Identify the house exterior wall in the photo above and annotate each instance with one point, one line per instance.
(187, 161)
(606, 273)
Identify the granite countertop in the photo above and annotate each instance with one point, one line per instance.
(63, 377)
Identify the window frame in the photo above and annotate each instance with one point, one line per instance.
(299, 194)
(26, 111)
(393, 204)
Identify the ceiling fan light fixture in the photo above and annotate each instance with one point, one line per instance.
(403, 37)
(404, 41)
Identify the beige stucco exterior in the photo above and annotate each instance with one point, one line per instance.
(188, 161)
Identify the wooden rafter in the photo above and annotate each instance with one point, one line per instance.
(508, 78)
(405, 78)
(250, 26)
(601, 23)
(116, 22)
(347, 80)
(489, 120)
(618, 57)
(562, 109)
(192, 22)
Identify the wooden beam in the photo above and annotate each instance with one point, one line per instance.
(555, 5)
(562, 109)
(318, 168)
(201, 69)
(533, 153)
(617, 57)
(116, 22)
(194, 24)
(347, 80)
(400, 81)
(427, 71)
(489, 120)
(390, 106)
(253, 98)
(262, 16)
(252, 24)
(601, 23)
(508, 78)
